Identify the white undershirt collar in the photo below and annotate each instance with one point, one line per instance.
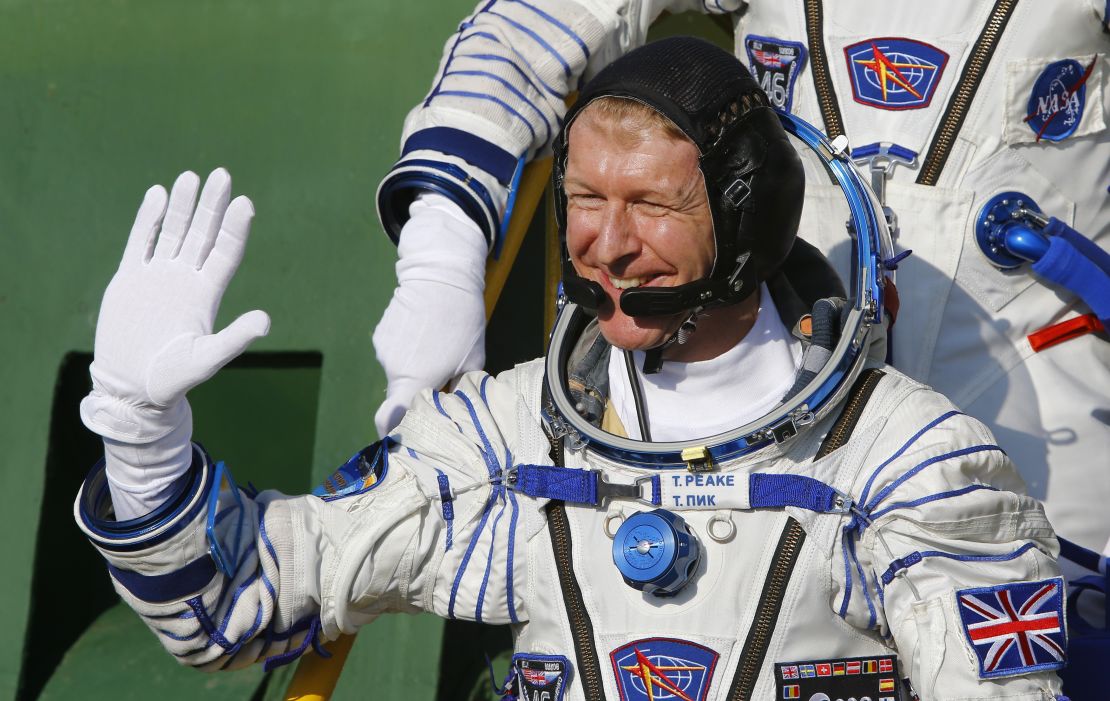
(692, 400)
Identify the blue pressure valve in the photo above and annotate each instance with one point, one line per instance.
(655, 552)
(1009, 230)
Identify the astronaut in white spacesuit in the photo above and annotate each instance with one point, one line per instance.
(768, 512)
(949, 103)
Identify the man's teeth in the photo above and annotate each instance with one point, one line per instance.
(627, 282)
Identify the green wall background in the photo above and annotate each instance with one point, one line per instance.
(303, 103)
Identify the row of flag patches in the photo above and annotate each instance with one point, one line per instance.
(881, 665)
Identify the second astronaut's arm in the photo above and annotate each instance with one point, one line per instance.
(496, 102)
(499, 96)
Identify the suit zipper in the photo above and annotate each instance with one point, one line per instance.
(959, 104)
(819, 65)
(581, 628)
(789, 547)
(767, 613)
(858, 396)
(968, 85)
(774, 586)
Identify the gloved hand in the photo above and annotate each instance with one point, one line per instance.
(154, 339)
(434, 327)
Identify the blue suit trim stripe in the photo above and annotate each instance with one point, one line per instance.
(480, 605)
(235, 600)
(514, 90)
(510, 601)
(980, 558)
(552, 20)
(214, 635)
(489, 98)
(863, 585)
(439, 83)
(487, 450)
(476, 151)
(167, 587)
(451, 55)
(439, 405)
(269, 549)
(466, 556)
(843, 613)
(538, 39)
(178, 638)
(262, 533)
(269, 587)
(532, 80)
(930, 498)
(913, 439)
(904, 563)
(886, 491)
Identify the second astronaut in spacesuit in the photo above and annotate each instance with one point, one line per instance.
(652, 507)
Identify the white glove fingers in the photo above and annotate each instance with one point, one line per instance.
(219, 349)
(180, 213)
(206, 220)
(144, 232)
(231, 241)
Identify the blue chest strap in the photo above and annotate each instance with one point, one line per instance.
(748, 491)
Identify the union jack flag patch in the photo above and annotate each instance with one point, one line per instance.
(1015, 628)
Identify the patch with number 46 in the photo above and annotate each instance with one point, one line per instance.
(775, 64)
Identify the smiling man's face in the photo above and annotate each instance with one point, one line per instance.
(637, 214)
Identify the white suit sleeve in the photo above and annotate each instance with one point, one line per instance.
(500, 93)
(424, 526)
(942, 543)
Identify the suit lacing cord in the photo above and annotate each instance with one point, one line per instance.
(860, 516)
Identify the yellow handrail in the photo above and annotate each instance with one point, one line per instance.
(529, 195)
(316, 677)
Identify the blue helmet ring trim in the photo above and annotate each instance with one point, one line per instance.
(872, 239)
(94, 503)
(871, 243)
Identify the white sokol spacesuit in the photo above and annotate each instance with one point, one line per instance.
(965, 99)
(862, 533)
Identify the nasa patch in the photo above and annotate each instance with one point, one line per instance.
(1058, 99)
(894, 73)
(540, 677)
(654, 669)
(844, 678)
(1054, 99)
(775, 63)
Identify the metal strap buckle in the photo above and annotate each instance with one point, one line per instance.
(881, 158)
(613, 490)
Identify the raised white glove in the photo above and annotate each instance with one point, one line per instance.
(434, 327)
(154, 339)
